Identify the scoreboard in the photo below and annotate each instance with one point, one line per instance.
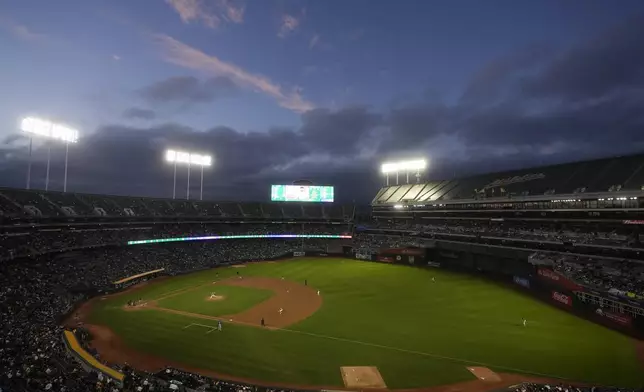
(302, 193)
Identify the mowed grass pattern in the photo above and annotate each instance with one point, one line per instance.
(417, 332)
(236, 300)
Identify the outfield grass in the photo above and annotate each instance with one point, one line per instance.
(417, 332)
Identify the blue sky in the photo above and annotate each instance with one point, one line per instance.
(179, 71)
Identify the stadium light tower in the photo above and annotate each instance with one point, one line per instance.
(174, 157)
(417, 166)
(52, 131)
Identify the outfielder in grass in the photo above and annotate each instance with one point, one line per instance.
(219, 325)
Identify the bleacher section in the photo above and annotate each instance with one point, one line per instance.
(617, 174)
(20, 204)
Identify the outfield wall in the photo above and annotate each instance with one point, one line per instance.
(512, 268)
(549, 286)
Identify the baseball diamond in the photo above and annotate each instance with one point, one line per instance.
(402, 327)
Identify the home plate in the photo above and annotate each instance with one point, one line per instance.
(362, 377)
(484, 374)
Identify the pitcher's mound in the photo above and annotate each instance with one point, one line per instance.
(215, 297)
(362, 377)
(484, 374)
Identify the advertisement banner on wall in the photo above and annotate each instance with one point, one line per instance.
(299, 254)
(621, 319)
(562, 298)
(523, 282)
(557, 278)
(385, 259)
(363, 256)
(404, 251)
(433, 264)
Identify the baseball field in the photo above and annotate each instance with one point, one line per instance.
(352, 324)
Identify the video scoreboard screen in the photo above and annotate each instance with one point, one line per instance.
(302, 193)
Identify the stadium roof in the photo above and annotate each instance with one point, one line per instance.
(624, 173)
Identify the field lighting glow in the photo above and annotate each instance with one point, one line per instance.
(40, 127)
(394, 167)
(237, 237)
(175, 156)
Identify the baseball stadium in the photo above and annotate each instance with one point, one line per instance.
(513, 281)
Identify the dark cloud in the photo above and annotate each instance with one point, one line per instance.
(188, 89)
(338, 132)
(535, 106)
(494, 81)
(415, 124)
(610, 62)
(139, 113)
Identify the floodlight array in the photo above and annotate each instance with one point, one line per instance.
(237, 237)
(40, 127)
(394, 167)
(187, 157)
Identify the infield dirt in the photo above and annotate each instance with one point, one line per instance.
(296, 301)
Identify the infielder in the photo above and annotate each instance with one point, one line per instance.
(219, 325)
(318, 292)
(280, 311)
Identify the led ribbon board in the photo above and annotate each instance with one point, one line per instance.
(237, 237)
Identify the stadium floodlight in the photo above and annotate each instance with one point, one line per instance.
(417, 166)
(174, 157)
(43, 128)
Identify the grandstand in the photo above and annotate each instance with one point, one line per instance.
(613, 178)
(568, 229)
(579, 220)
(18, 204)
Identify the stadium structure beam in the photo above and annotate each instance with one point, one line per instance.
(52, 131)
(174, 157)
(417, 165)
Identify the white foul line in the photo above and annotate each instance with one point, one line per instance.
(437, 356)
(459, 360)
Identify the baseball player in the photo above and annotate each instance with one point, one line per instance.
(525, 322)
(262, 322)
(280, 311)
(219, 325)
(433, 279)
(318, 292)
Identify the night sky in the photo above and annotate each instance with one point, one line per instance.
(324, 90)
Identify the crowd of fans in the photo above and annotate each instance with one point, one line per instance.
(614, 276)
(532, 387)
(515, 231)
(35, 293)
(370, 243)
(32, 242)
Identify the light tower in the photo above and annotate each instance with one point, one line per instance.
(52, 131)
(182, 157)
(416, 166)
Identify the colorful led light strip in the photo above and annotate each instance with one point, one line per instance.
(237, 237)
